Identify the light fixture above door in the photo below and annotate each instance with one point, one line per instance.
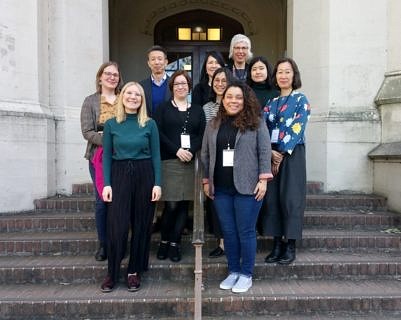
(198, 33)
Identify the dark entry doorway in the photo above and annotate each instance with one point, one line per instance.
(190, 54)
(191, 58)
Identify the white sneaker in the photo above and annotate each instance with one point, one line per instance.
(242, 285)
(229, 282)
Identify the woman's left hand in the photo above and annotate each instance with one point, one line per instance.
(260, 190)
(156, 193)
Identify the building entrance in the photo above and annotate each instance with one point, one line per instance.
(190, 58)
(188, 37)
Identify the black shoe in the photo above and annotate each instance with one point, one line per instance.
(162, 253)
(218, 252)
(288, 255)
(277, 250)
(174, 252)
(101, 253)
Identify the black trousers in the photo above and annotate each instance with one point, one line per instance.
(131, 206)
(173, 220)
(286, 198)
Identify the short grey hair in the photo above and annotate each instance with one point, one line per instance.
(240, 38)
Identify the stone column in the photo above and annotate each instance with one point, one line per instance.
(340, 47)
(78, 42)
(27, 161)
(49, 55)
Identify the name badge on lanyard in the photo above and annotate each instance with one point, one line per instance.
(185, 141)
(274, 137)
(228, 157)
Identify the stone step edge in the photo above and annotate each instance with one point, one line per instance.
(301, 271)
(308, 232)
(120, 302)
(313, 187)
(331, 201)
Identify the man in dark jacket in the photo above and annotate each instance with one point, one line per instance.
(156, 85)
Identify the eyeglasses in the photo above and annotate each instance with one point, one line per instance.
(111, 74)
(221, 81)
(180, 84)
(240, 48)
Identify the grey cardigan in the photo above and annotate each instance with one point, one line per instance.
(252, 157)
(89, 117)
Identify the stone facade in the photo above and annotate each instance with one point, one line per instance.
(50, 51)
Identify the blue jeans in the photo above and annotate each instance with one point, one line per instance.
(238, 214)
(100, 210)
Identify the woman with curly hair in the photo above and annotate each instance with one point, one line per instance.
(236, 158)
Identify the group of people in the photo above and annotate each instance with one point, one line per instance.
(246, 120)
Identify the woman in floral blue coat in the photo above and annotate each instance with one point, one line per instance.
(286, 117)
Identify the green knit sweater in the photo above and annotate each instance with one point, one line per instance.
(126, 140)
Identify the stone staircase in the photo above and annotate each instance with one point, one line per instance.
(347, 267)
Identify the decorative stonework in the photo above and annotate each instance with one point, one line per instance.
(221, 7)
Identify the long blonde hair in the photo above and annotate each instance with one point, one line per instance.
(142, 113)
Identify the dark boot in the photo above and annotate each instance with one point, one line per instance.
(289, 253)
(174, 252)
(275, 255)
(162, 252)
(101, 253)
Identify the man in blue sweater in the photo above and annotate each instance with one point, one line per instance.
(156, 86)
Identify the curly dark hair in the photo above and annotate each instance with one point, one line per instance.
(249, 116)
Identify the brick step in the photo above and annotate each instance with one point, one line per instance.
(85, 243)
(352, 219)
(312, 187)
(174, 299)
(339, 201)
(308, 265)
(338, 315)
(85, 203)
(48, 222)
(85, 221)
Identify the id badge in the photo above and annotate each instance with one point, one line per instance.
(185, 141)
(274, 137)
(228, 157)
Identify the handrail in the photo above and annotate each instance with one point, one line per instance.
(198, 238)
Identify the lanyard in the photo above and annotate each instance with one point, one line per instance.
(229, 133)
(237, 73)
(184, 125)
(278, 108)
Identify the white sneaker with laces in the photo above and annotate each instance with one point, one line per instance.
(229, 282)
(242, 285)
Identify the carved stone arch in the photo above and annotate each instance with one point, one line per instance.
(175, 7)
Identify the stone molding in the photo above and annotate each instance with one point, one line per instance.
(390, 90)
(346, 116)
(386, 151)
(178, 6)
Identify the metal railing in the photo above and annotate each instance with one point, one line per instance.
(198, 238)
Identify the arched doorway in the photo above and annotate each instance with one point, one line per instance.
(204, 31)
